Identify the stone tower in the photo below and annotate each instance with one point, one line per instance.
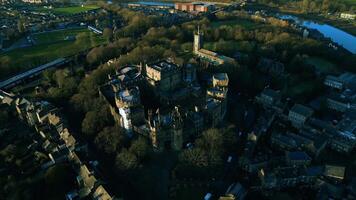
(177, 130)
(197, 41)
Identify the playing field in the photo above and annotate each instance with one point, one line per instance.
(70, 10)
(56, 36)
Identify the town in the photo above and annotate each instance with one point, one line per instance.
(221, 100)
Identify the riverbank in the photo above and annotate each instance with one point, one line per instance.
(345, 25)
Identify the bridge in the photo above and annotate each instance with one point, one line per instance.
(13, 81)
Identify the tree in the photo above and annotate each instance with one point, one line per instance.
(325, 6)
(212, 144)
(110, 139)
(194, 157)
(4, 117)
(95, 121)
(139, 148)
(107, 33)
(126, 161)
(21, 25)
(82, 40)
(305, 5)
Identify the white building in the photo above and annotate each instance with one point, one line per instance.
(348, 16)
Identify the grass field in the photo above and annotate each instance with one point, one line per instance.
(70, 10)
(56, 36)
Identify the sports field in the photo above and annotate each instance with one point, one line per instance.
(56, 36)
(70, 10)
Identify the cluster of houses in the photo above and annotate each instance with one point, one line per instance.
(302, 136)
(59, 144)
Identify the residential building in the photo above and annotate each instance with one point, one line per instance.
(298, 114)
(268, 97)
(348, 16)
(298, 158)
(335, 173)
(194, 7)
(235, 192)
(333, 82)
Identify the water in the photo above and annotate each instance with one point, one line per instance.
(338, 36)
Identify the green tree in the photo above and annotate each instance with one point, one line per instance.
(325, 6)
(110, 139)
(21, 25)
(211, 143)
(194, 157)
(140, 148)
(306, 5)
(95, 121)
(126, 161)
(4, 117)
(108, 34)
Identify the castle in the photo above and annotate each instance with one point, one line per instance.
(183, 112)
(210, 56)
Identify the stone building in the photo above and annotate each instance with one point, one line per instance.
(166, 130)
(131, 111)
(208, 55)
(183, 113)
(123, 95)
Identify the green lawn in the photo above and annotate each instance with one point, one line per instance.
(322, 65)
(56, 36)
(70, 10)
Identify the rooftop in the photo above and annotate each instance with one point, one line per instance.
(271, 93)
(302, 110)
(336, 172)
(163, 65)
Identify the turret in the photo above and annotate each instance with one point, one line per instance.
(177, 130)
(197, 41)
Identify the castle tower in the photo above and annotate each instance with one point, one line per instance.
(197, 41)
(177, 130)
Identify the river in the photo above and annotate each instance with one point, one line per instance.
(338, 36)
